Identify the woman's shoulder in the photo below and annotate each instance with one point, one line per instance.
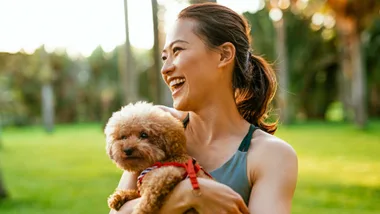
(269, 153)
(269, 144)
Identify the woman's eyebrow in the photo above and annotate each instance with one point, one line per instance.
(176, 41)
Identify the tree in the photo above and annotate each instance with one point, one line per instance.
(372, 50)
(281, 50)
(352, 17)
(47, 94)
(129, 76)
(311, 63)
(158, 89)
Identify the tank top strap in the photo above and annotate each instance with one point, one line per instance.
(244, 146)
(186, 120)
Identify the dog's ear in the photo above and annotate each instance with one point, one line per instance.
(109, 151)
(110, 154)
(175, 141)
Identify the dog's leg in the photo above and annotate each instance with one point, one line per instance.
(156, 186)
(120, 197)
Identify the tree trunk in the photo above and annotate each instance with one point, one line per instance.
(154, 73)
(165, 93)
(129, 77)
(47, 96)
(282, 98)
(359, 81)
(353, 80)
(345, 77)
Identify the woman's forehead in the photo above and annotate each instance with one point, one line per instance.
(182, 29)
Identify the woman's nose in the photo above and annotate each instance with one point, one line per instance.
(167, 68)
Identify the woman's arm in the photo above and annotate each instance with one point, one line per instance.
(212, 200)
(128, 181)
(275, 176)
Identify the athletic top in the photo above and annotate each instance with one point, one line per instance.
(233, 173)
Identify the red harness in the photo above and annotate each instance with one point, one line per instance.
(191, 167)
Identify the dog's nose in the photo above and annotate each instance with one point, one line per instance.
(128, 151)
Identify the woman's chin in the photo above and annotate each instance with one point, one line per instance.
(179, 104)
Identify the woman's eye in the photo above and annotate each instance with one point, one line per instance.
(123, 137)
(175, 49)
(143, 135)
(163, 58)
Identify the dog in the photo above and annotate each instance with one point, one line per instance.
(144, 139)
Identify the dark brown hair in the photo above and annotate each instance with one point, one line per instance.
(254, 81)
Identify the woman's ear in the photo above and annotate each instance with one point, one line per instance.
(227, 54)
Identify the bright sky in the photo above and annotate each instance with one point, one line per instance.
(81, 25)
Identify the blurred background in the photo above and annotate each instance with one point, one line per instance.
(65, 66)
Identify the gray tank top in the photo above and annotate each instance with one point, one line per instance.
(233, 173)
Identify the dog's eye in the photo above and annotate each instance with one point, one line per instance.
(123, 137)
(143, 135)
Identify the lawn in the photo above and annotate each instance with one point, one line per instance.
(69, 172)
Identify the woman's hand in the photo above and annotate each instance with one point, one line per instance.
(127, 208)
(215, 198)
(218, 198)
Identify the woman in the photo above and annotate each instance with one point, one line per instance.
(222, 92)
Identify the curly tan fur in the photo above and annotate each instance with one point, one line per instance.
(137, 136)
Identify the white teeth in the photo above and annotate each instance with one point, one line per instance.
(176, 81)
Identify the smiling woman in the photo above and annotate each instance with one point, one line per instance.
(222, 93)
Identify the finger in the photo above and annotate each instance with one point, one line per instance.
(181, 115)
(242, 206)
(236, 210)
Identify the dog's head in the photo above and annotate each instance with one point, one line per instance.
(141, 134)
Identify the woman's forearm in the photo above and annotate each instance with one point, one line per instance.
(179, 200)
(127, 208)
(212, 198)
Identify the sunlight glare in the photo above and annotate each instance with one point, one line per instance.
(317, 19)
(275, 14)
(241, 6)
(79, 26)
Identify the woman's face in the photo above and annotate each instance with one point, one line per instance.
(190, 68)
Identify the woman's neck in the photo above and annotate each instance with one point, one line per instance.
(218, 119)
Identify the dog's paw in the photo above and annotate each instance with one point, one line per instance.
(115, 201)
(120, 197)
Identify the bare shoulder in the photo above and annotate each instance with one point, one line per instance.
(268, 144)
(270, 154)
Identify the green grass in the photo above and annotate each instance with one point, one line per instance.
(69, 172)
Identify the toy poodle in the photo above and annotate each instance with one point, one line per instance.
(144, 139)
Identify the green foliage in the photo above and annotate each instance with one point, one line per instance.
(69, 171)
(371, 51)
(312, 61)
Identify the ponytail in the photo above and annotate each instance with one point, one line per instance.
(254, 98)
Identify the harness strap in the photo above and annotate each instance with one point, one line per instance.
(191, 171)
(191, 167)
